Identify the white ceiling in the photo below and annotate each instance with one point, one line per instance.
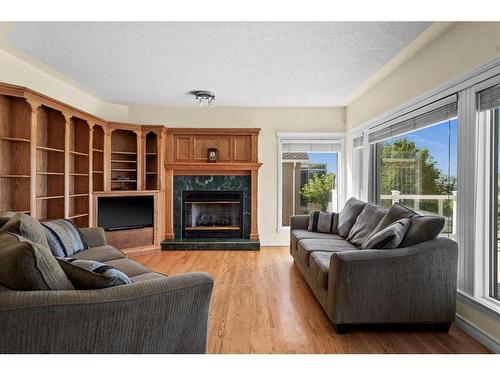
(244, 63)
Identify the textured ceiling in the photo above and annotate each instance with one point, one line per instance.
(244, 63)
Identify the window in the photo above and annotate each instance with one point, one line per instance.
(417, 165)
(489, 106)
(309, 177)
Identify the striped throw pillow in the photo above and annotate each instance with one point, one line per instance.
(89, 274)
(389, 237)
(323, 222)
(63, 237)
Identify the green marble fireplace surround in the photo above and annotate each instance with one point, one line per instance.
(211, 183)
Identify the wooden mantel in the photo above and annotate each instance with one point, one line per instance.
(187, 155)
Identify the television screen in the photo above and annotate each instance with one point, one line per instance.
(115, 213)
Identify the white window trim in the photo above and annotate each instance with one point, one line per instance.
(310, 138)
(481, 265)
(473, 208)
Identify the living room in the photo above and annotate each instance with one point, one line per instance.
(262, 187)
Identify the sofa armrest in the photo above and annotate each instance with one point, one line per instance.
(93, 237)
(299, 222)
(167, 315)
(421, 280)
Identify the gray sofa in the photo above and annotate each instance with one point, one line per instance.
(414, 284)
(154, 314)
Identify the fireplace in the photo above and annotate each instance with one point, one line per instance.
(212, 214)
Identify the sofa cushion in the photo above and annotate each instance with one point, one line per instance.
(307, 246)
(128, 267)
(366, 222)
(100, 254)
(63, 237)
(300, 234)
(147, 277)
(389, 237)
(319, 265)
(88, 274)
(348, 216)
(25, 226)
(27, 265)
(4, 288)
(422, 228)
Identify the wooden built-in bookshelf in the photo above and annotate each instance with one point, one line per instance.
(15, 154)
(151, 163)
(79, 172)
(98, 158)
(50, 163)
(124, 160)
(54, 157)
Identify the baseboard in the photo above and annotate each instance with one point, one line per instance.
(478, 334)
(274, 242)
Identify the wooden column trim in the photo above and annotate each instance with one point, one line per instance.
(141, 159)
(254, 187)
(67, 130)
(107, 158)
(33, 154)
(169, 204)
(91, 168)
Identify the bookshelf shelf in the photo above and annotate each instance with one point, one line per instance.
(13, 139)
(15, 176)
(51, 149)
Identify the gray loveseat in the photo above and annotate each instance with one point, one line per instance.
(154, 314)
(412, 284)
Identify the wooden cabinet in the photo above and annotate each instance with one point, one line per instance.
(186, 154)
(191, 145)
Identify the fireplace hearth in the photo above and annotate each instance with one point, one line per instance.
(212, 214)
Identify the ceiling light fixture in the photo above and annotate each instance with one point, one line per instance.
(204, 97)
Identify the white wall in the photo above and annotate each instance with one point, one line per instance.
(17, 72)
(461, 48)
(270, 120)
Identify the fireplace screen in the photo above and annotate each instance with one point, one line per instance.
(212, 214)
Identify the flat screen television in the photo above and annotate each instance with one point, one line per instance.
(119, 213)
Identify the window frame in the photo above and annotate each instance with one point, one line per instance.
(377, 165)
(474, 180)
(485, 225)
(319, 138)
(494, 175)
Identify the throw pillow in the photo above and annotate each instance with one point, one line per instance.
(366, 222)
(323, 222)
(89, 274)
(396, 211)
(63, 237)
(348, 216)
(27, 265)
(422, 228)
(25, 226)
(389, 237)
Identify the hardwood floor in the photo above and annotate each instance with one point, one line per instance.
(261, 304)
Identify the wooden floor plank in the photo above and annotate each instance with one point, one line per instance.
(261, 304)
